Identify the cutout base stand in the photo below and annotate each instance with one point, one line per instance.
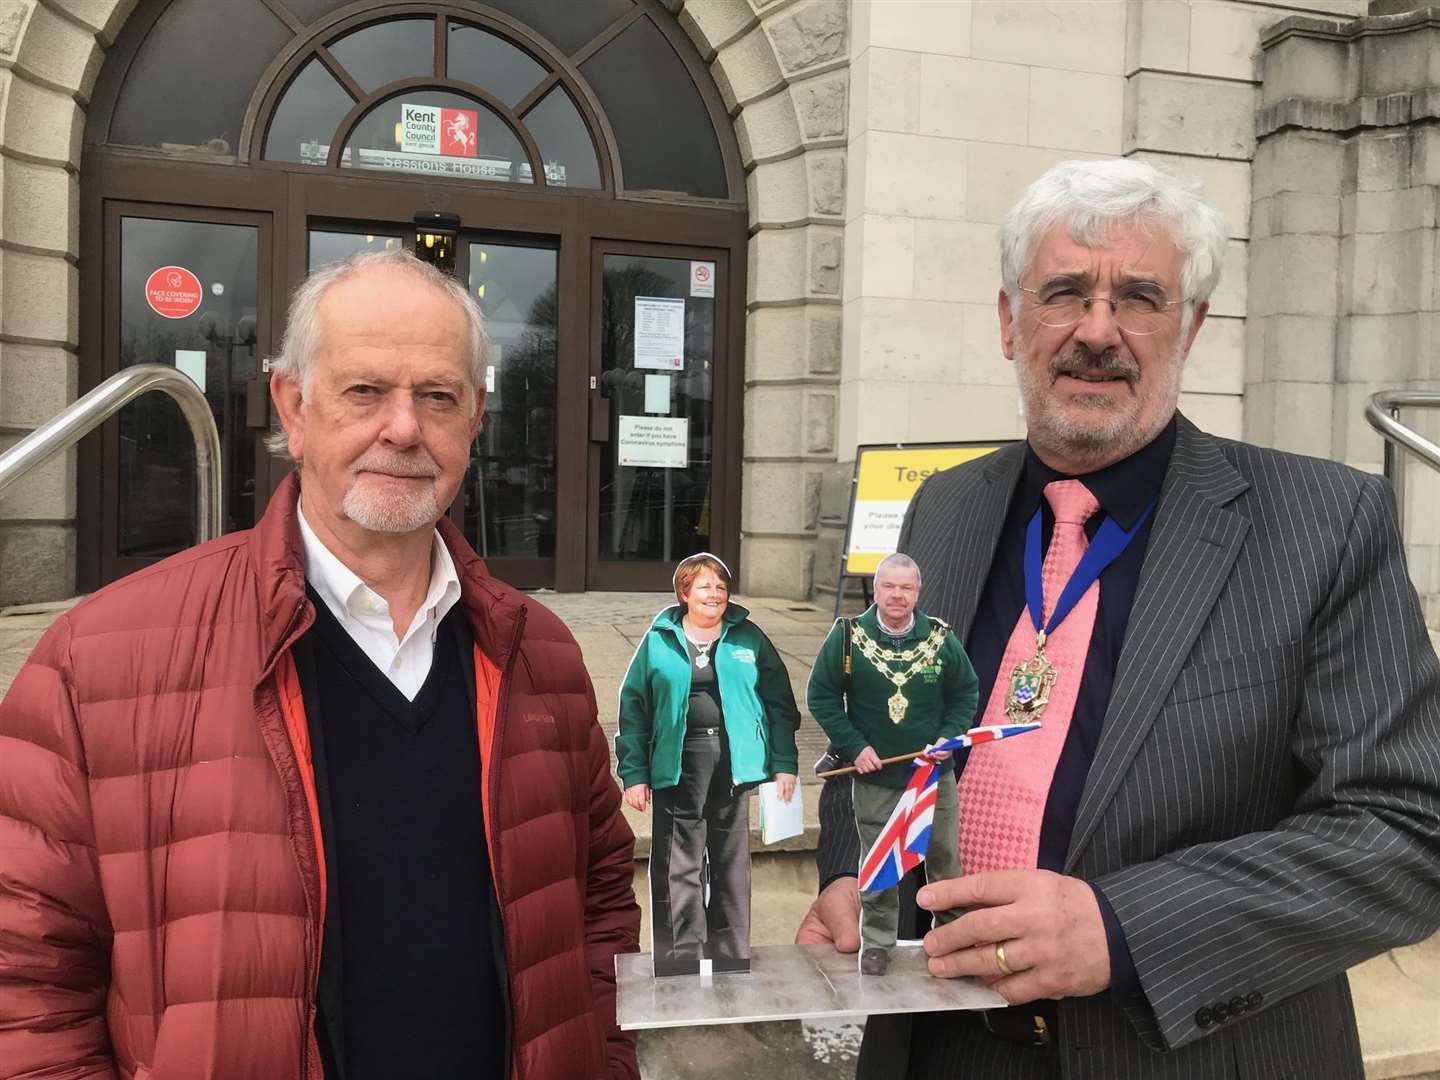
(789, 982)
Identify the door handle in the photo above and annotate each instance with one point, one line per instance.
(599, 419)
(257, 404)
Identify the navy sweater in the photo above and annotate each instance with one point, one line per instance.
(411, 979)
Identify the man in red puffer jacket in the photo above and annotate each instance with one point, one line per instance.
(321, 799)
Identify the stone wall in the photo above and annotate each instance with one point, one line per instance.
(955, 107)
(1344, 295)
(782, 68)
(50, 53)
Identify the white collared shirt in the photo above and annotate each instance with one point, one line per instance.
(365, 614)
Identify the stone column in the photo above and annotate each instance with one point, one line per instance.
(1343, 291)
(49, 56)
(782, 70)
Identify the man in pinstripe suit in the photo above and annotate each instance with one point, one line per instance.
(1247, 801)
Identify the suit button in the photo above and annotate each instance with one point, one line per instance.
(1238, 1006)
(1254, 999)
(1221, 1011)
(1203, 1017)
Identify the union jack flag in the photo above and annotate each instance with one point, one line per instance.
(905, 839)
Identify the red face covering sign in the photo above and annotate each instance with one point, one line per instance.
(173, 292)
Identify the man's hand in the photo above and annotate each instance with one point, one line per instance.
(1049, 924)
(868, 761)
(785, 786)
(638, 796)
(834, 918)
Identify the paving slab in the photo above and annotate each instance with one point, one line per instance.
(20, 629)
(1397, 1007)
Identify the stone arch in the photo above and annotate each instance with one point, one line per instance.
(781, 69)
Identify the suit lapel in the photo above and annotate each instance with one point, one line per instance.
(977, 530)
(1193, 546)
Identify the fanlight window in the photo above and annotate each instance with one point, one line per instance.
(447, 91)
(468, 128)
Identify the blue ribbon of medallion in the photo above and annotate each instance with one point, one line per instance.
(1032, 679)
(1110, 540)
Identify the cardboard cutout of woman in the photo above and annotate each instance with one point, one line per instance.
(706, 714)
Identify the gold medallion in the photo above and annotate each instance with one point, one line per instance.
(919, 657)
(897, 705)
(1030, 684)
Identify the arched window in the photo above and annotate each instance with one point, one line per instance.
(547, 93)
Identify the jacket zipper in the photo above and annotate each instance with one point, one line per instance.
(759, 734)
(502, 714)
(299, 625)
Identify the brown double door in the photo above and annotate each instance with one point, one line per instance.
(610, 444)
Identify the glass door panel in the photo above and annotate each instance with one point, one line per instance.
(331, 246)
(657, 373)
(510, 490)
(188, 298)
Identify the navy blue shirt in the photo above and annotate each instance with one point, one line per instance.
(1123, 490)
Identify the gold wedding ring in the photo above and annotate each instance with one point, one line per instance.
(1000, 959)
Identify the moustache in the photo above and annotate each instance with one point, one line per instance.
(1082, 360)
(421, 466)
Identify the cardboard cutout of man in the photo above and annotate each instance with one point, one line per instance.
(911, 685)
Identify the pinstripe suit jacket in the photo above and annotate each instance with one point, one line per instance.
(1263, 809)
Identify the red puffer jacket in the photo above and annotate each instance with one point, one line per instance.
(161, 887)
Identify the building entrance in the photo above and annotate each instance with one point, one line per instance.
(602, 232)
(508, 504)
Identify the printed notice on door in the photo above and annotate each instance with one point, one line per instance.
(655, 442)
(659, 333)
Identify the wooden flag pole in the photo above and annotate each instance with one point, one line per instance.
(828, 773)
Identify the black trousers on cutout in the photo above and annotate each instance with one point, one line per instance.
(701, 813)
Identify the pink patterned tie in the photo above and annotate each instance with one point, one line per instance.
(1004, 784)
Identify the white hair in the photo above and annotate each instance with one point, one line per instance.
(899, 561)
(1092, 197)
(302, 327)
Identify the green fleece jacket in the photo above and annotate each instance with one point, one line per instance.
(755, 699)
(941, 697)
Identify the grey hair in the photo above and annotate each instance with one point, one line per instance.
(1092, 197)
(900, 561)
(302, 327)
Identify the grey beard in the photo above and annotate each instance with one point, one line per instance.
(391, 516)
(1092, 444)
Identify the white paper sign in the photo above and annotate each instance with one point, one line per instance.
(192, 363)
(702, 279)
(659, 333)
(875, 526)
(658, 442)
(780, 820)
(657, 394)
(489, 378)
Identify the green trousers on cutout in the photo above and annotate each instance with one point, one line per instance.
(874, 803)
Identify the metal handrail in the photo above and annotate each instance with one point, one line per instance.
(76, 421)
(1382, 412)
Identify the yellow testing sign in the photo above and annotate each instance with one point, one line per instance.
(886, 478)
